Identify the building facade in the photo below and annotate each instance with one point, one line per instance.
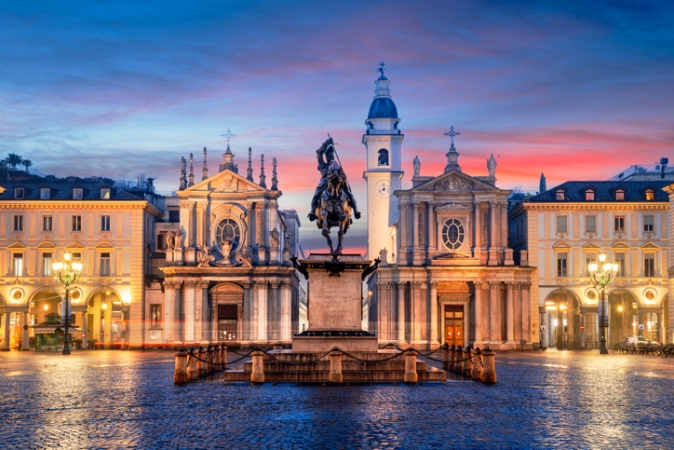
(564, 229)
(447, 273)
(106, 228)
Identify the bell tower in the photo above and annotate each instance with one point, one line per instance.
(383, 176)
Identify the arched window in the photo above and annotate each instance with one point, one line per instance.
(382, 157)
(228, 230)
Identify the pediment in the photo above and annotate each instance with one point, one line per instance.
(454, 181)
(105, 244)
(17, 246)
(649, 246)
(590, 246)
(225, 181)
(76, 245)
(620, 244)
(454, 207)
(561, 245)
(46, 244)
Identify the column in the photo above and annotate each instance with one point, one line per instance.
(261, 312)
(526, 316)
(248, 310)
(168, 322)
(417, 311)
(274, 312)
(518, 313)
(401, 312)
(207, 314)
(25, 345)
(286, 316)
(432, 228)
(190, 303)
(5, 343)
(85, 330)
(492, 224)
(433, 307)
(415, 227)
(481, 310)
(510, 313)
(478, 226)
(495, 334)
(504, 224)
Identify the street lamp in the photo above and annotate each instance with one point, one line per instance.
(67, 273)
(600, 277)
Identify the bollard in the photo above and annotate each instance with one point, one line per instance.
(192, 370)
(468, 364)
(452, 358)
(458, 367)
(217, 364)
(257, 374)
(201, 364)
(223, 357)
(477, 365)
(410, 367)
(210, 365)
(445, 357)
(489, 370)
(180, 375)
(335, 375)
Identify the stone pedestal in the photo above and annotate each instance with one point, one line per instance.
(334, 307)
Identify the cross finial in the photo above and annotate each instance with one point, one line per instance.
(229, 135)
(381, 68)
(451, 133)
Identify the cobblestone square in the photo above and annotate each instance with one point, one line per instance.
(123, 399)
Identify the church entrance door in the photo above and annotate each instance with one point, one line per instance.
(227, 323)
(454, 325)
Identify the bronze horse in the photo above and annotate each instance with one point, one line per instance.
(334, 209)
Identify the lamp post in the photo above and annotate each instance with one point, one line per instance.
(601, 275)
(67, 273)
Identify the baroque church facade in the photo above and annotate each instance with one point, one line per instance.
(447, 274)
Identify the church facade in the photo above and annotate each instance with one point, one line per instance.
(447, 274)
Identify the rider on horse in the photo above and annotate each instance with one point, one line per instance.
(324, 167)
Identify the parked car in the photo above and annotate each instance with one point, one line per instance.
(638, 340)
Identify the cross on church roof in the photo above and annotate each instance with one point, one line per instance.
(228, 135)
(451, 133)
(381, 68)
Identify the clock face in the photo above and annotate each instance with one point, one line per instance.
(383, 189)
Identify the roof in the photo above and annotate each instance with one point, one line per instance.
(382, 108)
(604, 191)
(63, 190)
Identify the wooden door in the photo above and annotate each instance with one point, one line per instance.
(454, 325)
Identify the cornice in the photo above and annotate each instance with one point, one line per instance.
(99, 204)
(613, 206)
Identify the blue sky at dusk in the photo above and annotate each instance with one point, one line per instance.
(575, 90)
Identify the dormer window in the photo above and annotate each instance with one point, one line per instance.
(589, 195)
(560, 195)
(77, 194)
(105, 193)
(620, 195)
(650, 195)
(45, 193)
(19, 193)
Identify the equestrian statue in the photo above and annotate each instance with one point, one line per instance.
(333, 200)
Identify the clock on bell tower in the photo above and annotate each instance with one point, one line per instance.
(383, 176)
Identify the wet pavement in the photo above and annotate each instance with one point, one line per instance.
(122, 399)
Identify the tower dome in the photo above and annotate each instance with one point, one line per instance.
(382, 106)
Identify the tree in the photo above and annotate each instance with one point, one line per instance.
(27, 163)
(13, 160)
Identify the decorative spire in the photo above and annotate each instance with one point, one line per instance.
(228, 161)
(205, 169)
(452, 155)
(191, 177)
(183, 174)
(262, 177)
(542, 187)
(250, 165)
(274, 180)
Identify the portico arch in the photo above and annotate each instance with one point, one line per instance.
(104, 318)
(46, 315)
(623, 316)
(563, 320)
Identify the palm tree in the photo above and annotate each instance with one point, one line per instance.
(27, 163)
(13, 160)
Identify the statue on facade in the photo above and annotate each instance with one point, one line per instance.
(417, 166)
(205, 256)
(491, 165)
(275, 237)
(333, 199)
(174, 239)
(225, 249)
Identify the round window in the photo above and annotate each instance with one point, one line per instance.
(228, 230)
(453, 234)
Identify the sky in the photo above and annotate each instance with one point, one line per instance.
(577, 90)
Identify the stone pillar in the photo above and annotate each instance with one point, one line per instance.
(415, 226)
(85, 330)
(526, 313)
(274, 312)
(432, 227)
(207, 315)
(5, 328)
(495, 333)
(201, 364)
(410, 367)
(489, 369)
(510, 313)
(180, 374)
(335, 375)
(480, 308)
(248, 310)
(262, 237)
(468, 363)
(169, 315)
(179, 312)
(418, 319)
(452, 358)
(261, 312)
(286, 316)
(492, 224)
(200, 226)
(477, 365)
(257, 374)
(433, 305)
(190, 303)
(401, 312)
(504, 224)
(24, 343)
(477, 243)
(192, 369)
